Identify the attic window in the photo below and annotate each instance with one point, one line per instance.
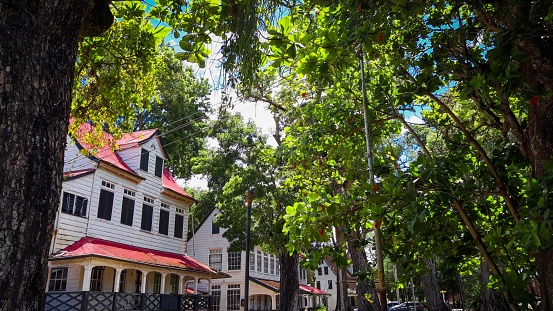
(144, 159)
(214, 227)
(159, 166)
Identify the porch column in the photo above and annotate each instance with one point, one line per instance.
(273, 302)
(143, 284)
(117, 280)
(181, 287)
(196, 282)
(48, 277)
(162, 290)
(86, 278)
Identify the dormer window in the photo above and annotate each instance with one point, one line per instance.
(159, 166)
(144, 159)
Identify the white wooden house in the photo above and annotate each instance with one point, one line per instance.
(326, 279)
(208, 245)
(121, 225)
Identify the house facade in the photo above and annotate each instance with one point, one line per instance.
(121, 225)
(209, 246)
(326, 279)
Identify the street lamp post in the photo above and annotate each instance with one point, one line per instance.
(249, 199)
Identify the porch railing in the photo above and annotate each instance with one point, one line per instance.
(103, 301)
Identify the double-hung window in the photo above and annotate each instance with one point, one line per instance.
(179, 223)
(58, 279)
(234, 260)
(157, 283)
(96, 279)
(74, 204)
(233, 297)
(174, 284)
(127, 208)
(215, 297)
(164, 219)
(216, 259)
(159, 167)
(105, 205)
(144, 159)
(147, 214)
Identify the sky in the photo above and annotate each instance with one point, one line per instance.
(256, 112)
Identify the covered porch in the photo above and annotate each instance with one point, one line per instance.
(265, 295)
(94, 272)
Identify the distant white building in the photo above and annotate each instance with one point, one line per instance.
(121, 225)
(208, 245)
(326, 279)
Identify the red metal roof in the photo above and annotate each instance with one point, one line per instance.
(128, 140)
(275, 286)
(94, 247)
(312, 290)
(169, 182)
(71, 174)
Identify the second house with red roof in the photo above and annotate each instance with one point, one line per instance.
(120, 233)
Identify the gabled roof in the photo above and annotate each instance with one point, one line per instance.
(334, 268)
(169, 182)
(94, 247)
(128, 140)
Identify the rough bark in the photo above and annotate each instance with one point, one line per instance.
(342, 290)
(360, 263)
(538, 73)
(489, 301)
(37, 55)
(431, 289)
(289, 282)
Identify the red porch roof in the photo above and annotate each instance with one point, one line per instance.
(275, 286)
(94, 247)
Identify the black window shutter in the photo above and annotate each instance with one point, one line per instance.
(144, 159)
(159, 166)
(164, 222)
(179, 221)
(147, 212)
(106, 204)
(67, 204)
(214, 228)
(127, 211)
(80, 206)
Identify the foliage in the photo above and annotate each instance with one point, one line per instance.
(180, 112)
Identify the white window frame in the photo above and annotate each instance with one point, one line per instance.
(215, 297)
(233, 297)
(58, 279)
(234, 260)
(97, 279)
(213, 255)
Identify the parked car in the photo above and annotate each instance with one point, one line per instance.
(392, 304)
(409, 306)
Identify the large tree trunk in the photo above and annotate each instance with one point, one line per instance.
(538, 74)
(364, 286)
(38, 44)
(289, 282)
(489, 301)
(342, 290)
(431, 289)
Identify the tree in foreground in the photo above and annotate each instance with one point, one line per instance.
(243, 160)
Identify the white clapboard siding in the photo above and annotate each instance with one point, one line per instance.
(203, 241)
(113, 230)
(131, 156)
(71, 228)
(74, 160)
